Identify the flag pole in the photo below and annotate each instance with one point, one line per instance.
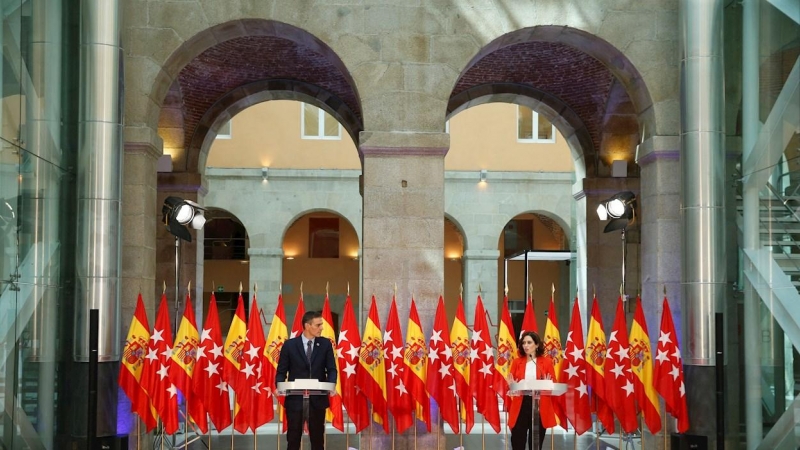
(574, 440)
(186, 404)
(139, 433)
(665, 423)
(372, 423)
(439, 423)
(641, 421)
(460, 431)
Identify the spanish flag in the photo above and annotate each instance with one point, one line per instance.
(459, 344)
(130, 372)
(416, 361)
(334, 413)
(234, 345)
(552, 349)
(278, 333)
(372, 379)
(641, 356)
(506, 352)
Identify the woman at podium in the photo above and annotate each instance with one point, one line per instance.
(530, 365)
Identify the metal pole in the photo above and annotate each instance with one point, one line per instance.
(624, 258)
(750, 218)
(177, 279)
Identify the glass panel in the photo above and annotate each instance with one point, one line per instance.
(524, 122)
(331, 125)
(310, 120)
(545, 128)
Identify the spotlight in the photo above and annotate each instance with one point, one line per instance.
(483, 176)
(620, 208)
(178, 214)
(264, 173)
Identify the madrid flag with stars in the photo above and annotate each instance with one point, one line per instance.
(155, 375)
(398, 399)
(669, 371)
(618, 376)
(574, 375)
(207, 382)
(441, 383)
(347, 352)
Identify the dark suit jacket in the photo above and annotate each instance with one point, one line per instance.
(293, 365)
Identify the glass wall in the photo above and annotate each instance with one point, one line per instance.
(36, 183)
(762, 120)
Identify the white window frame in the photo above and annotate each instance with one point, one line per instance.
(230, 131)
(535, 128)
(320, 125)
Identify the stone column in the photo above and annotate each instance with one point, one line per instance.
(403, 236)
(481, 267)
(266, 269)
(140, 217)
(660, 224)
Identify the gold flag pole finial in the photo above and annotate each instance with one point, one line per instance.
(479, 289)
(240, 288)
(594, 291)
(255, 288)
(301, 289)
(327, 283)
(164, 289)
(348, 288)
(505, 290)
(280, 288)
(461, 290)
(665, 290)
(530, 290)
(213, 286)
(552, 289)
(189, 288)
(620, 290)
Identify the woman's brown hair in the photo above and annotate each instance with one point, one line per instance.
(536, 340)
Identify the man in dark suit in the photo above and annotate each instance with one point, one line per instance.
(307, 356)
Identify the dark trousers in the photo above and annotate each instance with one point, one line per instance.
(316, 428)
(522, 432)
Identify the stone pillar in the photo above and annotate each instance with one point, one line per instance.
(140, 218)
(660, 224)
(604, 256)
(266, 269)
(481, 267)
(403, 237)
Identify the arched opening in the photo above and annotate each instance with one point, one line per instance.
(454, 246)
(535, 260)
(321, 253)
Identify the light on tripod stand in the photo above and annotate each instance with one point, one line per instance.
(178, 214)
(620, 208)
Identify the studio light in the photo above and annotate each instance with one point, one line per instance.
(178, 214)
(620, 208)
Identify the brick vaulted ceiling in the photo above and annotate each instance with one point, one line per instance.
(577, 79)
(248, 59)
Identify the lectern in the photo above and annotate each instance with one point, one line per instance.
(306, 388)
(536, 389)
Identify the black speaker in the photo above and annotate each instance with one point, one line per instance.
(688, 442)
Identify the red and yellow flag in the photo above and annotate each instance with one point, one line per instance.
(595, 361)
(184, 352)
(552, 349)
(506, 352)
(278, 333)
(130, 372)
(253, 395)
(234, 345)
(416, 361)
(460, 348)
(372, 379)
(334, 412)
(642, 366)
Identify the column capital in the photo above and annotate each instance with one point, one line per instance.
(143, 148)
(184, 182)
(386, 143)
(480, 254)
(659, 148)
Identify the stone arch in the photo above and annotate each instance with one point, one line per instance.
(575, 74)
(244, 97)
(550, 216)
(459, 228)
(306, 212)
(221, 67)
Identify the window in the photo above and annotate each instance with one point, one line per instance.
(533, 127)
(323, 237)
(225, 131)
(315, 123)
